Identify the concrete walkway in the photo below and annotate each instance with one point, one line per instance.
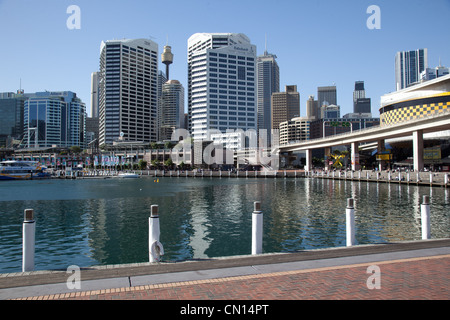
(405, 270)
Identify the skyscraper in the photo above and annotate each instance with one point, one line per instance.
(326, 94)
(221, 83)
(285, 106)
(268, 82)
(361, 104)
(172, 106)
(128, 95)
(408, 66)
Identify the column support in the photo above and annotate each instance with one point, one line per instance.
(418, 150)
(308, 165)
(355, 156)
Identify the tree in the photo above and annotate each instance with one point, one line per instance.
(155, 163)
(75, 149)
(169, 145)
(142, 164)
(168, 162)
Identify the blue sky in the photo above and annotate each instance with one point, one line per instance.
(318, 43)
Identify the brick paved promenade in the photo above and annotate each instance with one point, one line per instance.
(407, 279)
(417, 270)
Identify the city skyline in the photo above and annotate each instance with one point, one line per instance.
(314, 42)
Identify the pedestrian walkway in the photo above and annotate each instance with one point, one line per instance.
(407, 279)
(412, 270)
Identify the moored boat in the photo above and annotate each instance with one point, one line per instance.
(22, 170)
(128, 175)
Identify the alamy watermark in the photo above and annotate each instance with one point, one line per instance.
(374, 20)
(74, 20)
(374, 280)
(74, 280)
(251, 148)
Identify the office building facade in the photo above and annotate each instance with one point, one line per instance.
(221, 85)
(312, 108)
(408, 67)
(285, 106)
(326, 95)
(128, 91)
(330, 111)
(11, 120)
(54, 119)
(361, 104)
(295, 130)
(433, 73)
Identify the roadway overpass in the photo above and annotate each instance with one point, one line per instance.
(415, 128)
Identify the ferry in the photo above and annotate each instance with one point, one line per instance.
(22, 170)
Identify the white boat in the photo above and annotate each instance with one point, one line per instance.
(22, 170)
(128, 175)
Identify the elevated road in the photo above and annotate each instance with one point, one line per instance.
(415, 128)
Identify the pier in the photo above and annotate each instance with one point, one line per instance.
(424, 178)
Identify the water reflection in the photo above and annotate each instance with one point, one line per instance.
(106, 221)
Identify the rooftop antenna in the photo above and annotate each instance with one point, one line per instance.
(265, 45)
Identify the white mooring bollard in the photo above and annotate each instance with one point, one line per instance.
(28, 241)
(350, 222)
(257, 228)
(155, 247)
(425, 217)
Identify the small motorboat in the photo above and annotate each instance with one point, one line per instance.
(128, 175)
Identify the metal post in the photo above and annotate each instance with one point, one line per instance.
(350, 222)
(425, 217)
(257, 228)
(446, 179)
(156, 249)
(431, 178)
(28, 240)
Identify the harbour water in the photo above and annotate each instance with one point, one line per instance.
(89, 222)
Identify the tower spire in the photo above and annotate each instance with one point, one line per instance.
(167, 59)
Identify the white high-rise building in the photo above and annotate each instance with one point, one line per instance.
(408, 67)
(221, 87)
(128, 91)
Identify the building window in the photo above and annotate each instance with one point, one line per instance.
(241, 73)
